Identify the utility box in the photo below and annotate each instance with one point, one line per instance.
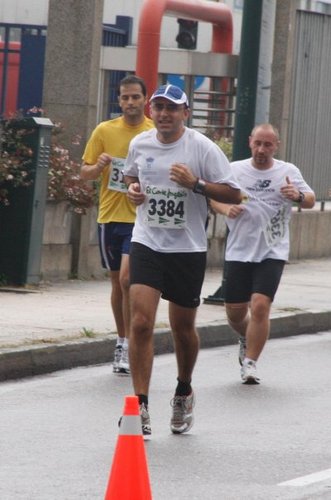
(22, 222)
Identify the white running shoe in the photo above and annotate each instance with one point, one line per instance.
(123, 365)
(117, 358)
(248, 373)
(182, 413)
(145, 420)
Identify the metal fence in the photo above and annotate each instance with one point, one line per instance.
(309, 144)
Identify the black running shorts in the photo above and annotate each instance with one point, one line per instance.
(178, 276)
(242, 279)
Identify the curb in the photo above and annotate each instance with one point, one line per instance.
(27, 362)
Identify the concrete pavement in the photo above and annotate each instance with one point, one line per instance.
(64, 324)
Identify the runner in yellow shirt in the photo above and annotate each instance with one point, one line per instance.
(104, 157)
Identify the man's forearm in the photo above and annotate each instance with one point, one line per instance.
(90, 172)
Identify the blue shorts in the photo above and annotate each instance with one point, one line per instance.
(242, 279)
(114, 241)
(178, 276)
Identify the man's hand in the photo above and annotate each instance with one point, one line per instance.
(103, 161)
(92, 172)
(231, 211)
(135, 195)
(182, 175)
(234, 211)
(289, 191)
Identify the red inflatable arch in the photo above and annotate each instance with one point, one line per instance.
(218, 14)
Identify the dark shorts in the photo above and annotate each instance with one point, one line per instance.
(178, 276)
(114, 240)
(242, 279)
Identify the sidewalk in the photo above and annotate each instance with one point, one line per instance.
(67, 324)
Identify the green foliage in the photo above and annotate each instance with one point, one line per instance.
(226, 146)
(87, 332)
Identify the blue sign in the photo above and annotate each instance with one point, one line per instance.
(178, 80)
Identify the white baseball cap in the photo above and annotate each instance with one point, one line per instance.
(172, 93)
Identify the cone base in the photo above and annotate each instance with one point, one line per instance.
(129, 478)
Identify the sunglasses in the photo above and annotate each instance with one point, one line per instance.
(171, 107)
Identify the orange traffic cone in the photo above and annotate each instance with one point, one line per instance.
(129, 478)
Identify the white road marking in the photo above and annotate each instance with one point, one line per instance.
(309, 479)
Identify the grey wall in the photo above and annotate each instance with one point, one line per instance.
(309, 232)
(71, 82)
(72, 63)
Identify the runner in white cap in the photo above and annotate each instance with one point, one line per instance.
(170, 172)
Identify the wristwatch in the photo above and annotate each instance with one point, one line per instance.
(199, 187)
(301, 197)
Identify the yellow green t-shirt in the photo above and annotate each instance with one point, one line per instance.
(113, 137)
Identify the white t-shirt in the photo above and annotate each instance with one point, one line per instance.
(173, 218)
(261, 231)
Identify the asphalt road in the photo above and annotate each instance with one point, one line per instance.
(59, 431)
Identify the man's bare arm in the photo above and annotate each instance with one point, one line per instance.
(91, 172)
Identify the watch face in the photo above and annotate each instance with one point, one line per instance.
(199, 187)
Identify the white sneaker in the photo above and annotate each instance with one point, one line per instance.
(123, 365)
(248, 373)
(182, 413)
(117, 358)
(145, 420)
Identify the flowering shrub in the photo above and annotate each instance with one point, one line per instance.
(64, 182)
(15, 160)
